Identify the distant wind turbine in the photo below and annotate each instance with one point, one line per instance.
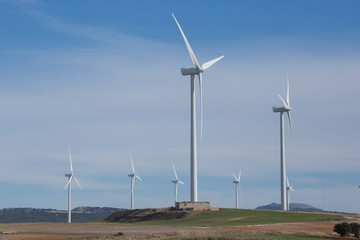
(197, 70)
(132, 175)
(288, 189)
(175, 182)
(286, 108)
(237, 189)
(70, 177)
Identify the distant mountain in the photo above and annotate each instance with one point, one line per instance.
(293, 207)
(79, 214)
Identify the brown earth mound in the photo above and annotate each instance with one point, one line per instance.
(146, 214)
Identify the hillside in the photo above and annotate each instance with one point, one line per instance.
(79, 214)
(222, 217)
(293, 207)
(146, 214)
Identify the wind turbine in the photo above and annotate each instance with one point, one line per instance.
(288, 189)
(197, 70)
(70, 177)
(286, 108)
(175, 182)
(132, 175)
(237, 188)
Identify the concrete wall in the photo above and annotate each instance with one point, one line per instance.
(192, 205)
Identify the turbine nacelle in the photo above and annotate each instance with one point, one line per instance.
(190, 71)
(177, 181)
(280, 109)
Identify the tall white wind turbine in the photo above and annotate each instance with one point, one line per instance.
(175, 182)
(197, 70)
(288, 189)
(70, 177)
(132, 175)
(237, 189)
(286, 108)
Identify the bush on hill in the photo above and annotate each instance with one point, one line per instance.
(345, 229)
(355, 229)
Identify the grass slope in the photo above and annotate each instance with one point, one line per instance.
(233, 217)
(249, 237)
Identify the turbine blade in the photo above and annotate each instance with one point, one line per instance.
(287, 91)
(210, 63)
(138, 177)
(287, 181)
(174, 170)
(235, 177)
(285, 105)
(77, 182)
(132, 163)
(192, 55)
(292, 133)
(239, 175)
(181, 182)
(201, 106)
(68, 183)
(71, 168)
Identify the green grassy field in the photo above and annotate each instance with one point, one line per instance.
(232, 217)
(251, 237)
(229, 237)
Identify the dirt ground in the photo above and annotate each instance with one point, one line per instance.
(116, 231)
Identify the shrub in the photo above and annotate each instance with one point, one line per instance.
(355, 229)
(344, 229)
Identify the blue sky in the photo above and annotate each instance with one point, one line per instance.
(103, 77)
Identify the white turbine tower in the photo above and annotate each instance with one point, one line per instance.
(286, 108)
(175, 182)
(237, 189)
(288, 189)
(197, 70)
(70, 177)
(132, 175)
